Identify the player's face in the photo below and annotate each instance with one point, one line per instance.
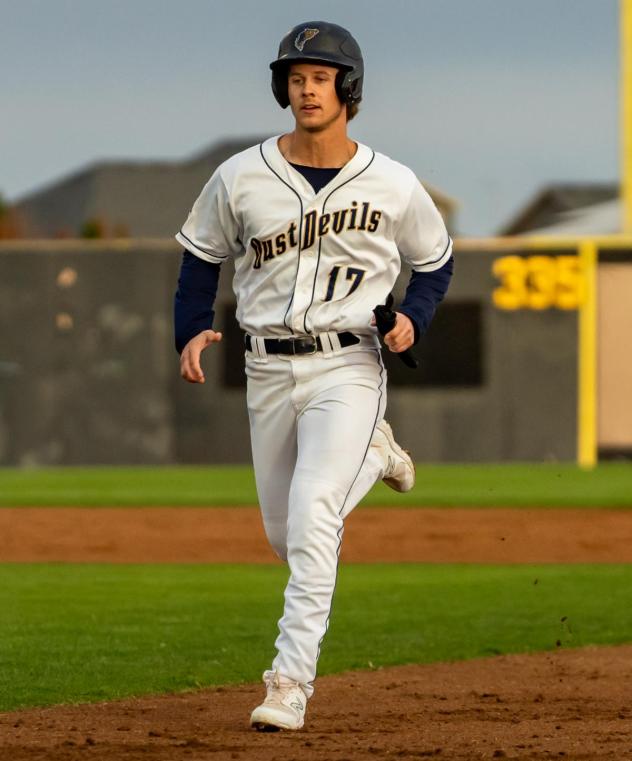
(313, 98)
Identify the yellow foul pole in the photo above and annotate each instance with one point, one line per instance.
(587, 359)
(626, 113)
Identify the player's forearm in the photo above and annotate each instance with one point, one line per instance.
(424, 293)
(193, 303)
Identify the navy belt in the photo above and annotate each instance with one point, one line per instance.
(300, 344)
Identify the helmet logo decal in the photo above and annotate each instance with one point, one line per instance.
(303, 37)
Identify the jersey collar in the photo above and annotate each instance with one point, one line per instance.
(281, 167)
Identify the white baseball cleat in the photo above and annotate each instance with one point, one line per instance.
(284, 706)
(399, 469)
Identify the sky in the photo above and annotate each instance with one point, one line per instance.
(487, 100)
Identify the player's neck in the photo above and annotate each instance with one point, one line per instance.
(328, 149)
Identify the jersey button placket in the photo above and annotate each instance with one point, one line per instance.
(304, 279)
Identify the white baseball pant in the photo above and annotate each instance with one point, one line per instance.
(312, 418)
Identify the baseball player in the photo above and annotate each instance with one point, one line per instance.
(317, 225)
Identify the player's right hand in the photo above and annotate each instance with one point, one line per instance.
(190, 368)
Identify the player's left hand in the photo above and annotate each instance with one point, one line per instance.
(402, 336)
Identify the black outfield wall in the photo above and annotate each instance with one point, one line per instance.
(89, 374)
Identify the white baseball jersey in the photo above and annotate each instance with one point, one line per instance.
(306, 262)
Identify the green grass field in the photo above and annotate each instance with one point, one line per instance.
(537, 485)
(71, 633)
(74, 633)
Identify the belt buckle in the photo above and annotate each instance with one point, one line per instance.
(302, 342)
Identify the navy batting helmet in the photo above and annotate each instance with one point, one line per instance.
(320, 42)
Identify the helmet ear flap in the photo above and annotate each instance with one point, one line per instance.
(341, 85)
(346, 87)
(279, 86)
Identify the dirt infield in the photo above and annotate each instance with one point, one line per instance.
(569, 704)
(207, 535)
(565, 705)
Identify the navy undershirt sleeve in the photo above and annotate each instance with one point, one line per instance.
(194, 299)
(424, 293)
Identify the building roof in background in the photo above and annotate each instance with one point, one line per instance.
(569, 208)
(128, 198)
(136, 198)
(598, 219)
